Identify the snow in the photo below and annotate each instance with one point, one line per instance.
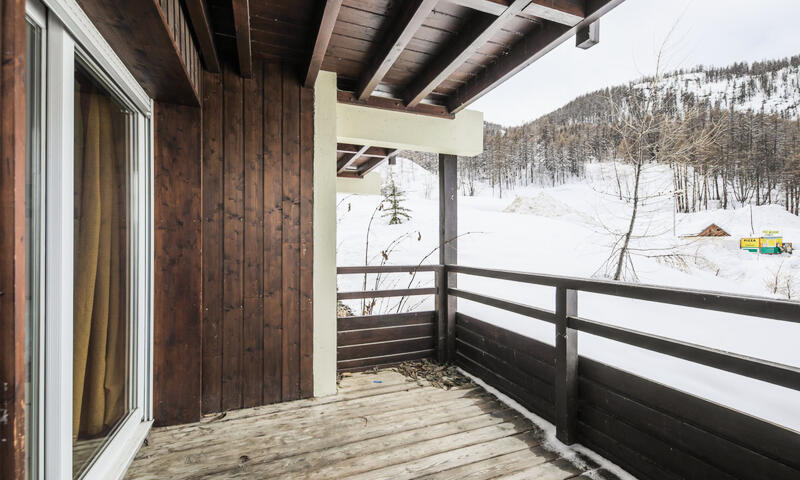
(566, 230)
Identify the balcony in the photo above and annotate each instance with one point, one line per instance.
(384, 425)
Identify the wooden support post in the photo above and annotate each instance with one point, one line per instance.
(440, 278)
(566, 381)
(448, 245)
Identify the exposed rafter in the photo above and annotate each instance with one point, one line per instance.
(198, 17)
(241, 25)
(355, 161)
(565, 12)
(346, 162)
(404, 26)
(346, 148)
(372, 164)
(525, 52)
(327, 19)
(475, 35)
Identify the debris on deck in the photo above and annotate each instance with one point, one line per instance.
(438, 375)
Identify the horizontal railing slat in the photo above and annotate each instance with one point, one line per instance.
(405, 292)
(763, 370)
(538, 313)
(722, 302)
(355, 270)
(385, 320)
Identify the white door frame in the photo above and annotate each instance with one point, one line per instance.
(67, 35)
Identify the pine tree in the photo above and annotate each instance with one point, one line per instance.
(394, 199)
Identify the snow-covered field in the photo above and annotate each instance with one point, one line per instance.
(568, 230)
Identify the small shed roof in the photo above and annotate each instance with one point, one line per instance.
(713, 230)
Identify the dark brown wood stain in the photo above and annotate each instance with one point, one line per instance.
(177, 349)
(262, 352)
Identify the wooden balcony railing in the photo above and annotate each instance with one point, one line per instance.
(650, 429)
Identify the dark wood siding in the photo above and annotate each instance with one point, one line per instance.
(178, 265)
(12, 239)
(257, 268)
(649, 429)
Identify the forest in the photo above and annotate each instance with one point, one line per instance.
(741, 122)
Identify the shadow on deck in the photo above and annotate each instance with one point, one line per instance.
(379, 425)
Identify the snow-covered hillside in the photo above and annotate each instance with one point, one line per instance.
(568, 230)
(775, 92)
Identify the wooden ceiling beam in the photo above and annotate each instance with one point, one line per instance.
(474, 36)
(241, 25)
(403, 28)
(384, 103)
(565, 12)
(493, 7)
(523, 53)
(327, 20)
(342, 164)
(198, 18)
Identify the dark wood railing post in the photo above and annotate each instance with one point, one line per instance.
(441, 315)
(566, 381)
(448, 244)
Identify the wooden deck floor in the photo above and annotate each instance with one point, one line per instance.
(379, 426)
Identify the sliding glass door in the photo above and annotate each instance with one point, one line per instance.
(89, 253)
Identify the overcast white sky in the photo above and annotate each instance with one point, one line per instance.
(708, 32)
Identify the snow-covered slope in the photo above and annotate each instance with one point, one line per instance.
(775, 92)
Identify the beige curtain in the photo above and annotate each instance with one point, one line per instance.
(100, 281)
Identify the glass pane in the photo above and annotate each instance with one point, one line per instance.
(33, 179)
(101, 311)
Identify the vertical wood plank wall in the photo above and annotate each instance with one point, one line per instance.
(12, 239)
(177, 265)
(257, 232)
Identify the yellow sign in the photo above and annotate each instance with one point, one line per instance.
(769, 233)
(749, 242)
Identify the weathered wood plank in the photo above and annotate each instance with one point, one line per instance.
(306, 292)
(212, 242)
(253, 248)
(317, 461)
(273, 233)
(452, 458)
(291, 237)
(500, 466)
(233, 240)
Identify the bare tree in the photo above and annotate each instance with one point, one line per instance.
(652, 133)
